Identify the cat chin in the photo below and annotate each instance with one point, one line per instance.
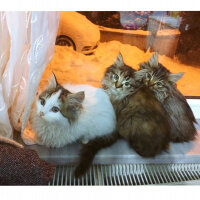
(116, 93)
(161, 96)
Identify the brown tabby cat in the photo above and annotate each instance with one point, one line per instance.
(163, 83)
(140, 116)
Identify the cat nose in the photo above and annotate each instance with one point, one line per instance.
(148, 83)
(41, 114)
(118, 84)
(151, 83)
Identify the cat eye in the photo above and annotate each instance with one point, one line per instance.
(116, 77)
(127, 84)
(42, 101)
(158, 83)
(55, 109)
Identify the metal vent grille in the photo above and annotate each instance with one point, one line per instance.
(128, 174)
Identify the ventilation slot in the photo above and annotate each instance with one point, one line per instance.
(128, 174)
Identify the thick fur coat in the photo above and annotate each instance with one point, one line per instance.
(82, 115)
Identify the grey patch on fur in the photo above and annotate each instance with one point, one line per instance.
(72, 105)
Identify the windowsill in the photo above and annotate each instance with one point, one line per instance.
(121, 153)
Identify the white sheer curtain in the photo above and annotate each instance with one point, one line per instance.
(27, 42)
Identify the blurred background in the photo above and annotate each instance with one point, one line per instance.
(89, 41)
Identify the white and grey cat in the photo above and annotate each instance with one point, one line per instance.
(65, 114)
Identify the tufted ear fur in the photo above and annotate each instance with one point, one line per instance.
(175, 77)
(153, 61)
(119, 61)
(53, 83)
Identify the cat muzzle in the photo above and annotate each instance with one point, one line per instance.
(118, 85)
(149, 83)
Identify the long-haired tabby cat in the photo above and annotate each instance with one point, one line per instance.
(163, 83)
(64, 114)
(141, 118)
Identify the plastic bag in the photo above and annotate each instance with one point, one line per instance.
(5, 126)
(28, 40)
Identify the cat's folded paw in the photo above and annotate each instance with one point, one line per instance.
(29, 137)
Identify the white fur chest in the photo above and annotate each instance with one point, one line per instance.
(50, 134)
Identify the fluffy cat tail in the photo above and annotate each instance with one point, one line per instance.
(90, 149)
(10, 141)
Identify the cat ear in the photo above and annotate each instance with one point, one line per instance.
(76, 99)
(53, 82)
(72, 104)
(153, 61)
(79, 96)
(175, 77)
(143, 66)
(119, 61)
